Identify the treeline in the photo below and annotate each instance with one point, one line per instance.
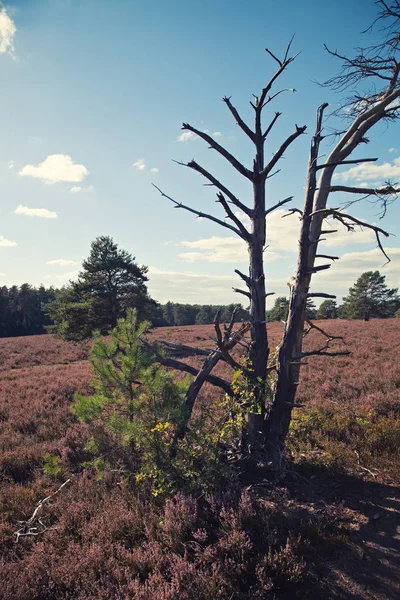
(22, 310)
(369, 298)
(25, 310)
(174, 313)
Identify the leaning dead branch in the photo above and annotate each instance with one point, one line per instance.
(229, 340)
(328, 336)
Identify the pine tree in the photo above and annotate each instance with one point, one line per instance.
(110, 282)
(327, 310)
(113, 279)
(370, 297)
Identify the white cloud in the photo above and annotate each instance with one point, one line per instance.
(371, 172)
(283, 233)
(56, 168)
(61, 261)
(7, 32)
(192, 287)
(35, 212)
(154, 170)
(393, 150)
(219, 250)
(11, 165)
(5, 243)
(217, 134)
(140, 164)
(77, 189)
(282, 236)
(186, 137)
(201, 288)
(347, 270)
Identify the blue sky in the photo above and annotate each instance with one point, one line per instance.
(93, 96)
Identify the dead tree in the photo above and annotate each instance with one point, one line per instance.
(381, 65)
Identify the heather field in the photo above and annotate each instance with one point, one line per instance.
(327, 526)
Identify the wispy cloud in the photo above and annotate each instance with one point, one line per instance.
(393, 150)
(7, 33)
(197, 288)
(187, 136)
(218, 250)
(282, 237)
(5, 243)
(140, 164)
(56, 168)
(43, 213)
(77, 189)
(61, 262)
(11, 165)
(371, 172)
(217, 134)
(351, 265)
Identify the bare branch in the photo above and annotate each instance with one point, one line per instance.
(239, 291)
(196, 167)
(201, 214)
(270, 126)
(230, 214)
(315, 269)
(344, 218)
(320, 295)
(282, 66)
(324, 353)
(230, 341)
(221, 345)
(181, 366)
(183, 349)
(386, 191)
(172, 363)
(238, 119)
(278, 155)
(327, 256)
(34, 526)
(292, 211)
(278, 204)
(245, 278)
(215, 146)
(346, 162)
(329, 336)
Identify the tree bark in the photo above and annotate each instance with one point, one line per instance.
(288, 365)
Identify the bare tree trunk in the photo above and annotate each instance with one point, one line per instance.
(289, 357)
(259, 350)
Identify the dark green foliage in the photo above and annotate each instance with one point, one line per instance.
(21, 310)
(370, 298)
(110, 282)
(73, 317)
(196, 314)
(279, 311)
(136, 403)
(327, 310)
